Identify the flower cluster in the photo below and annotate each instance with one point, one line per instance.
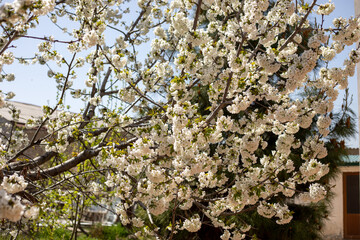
(193, 224)
(14, 183)
(13, 208)
(10, 208)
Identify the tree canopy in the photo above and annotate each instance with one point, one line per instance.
(205, 126)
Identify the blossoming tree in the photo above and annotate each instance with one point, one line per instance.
(161, 150)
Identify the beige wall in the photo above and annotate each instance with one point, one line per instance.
(357, 14)
(334, 226)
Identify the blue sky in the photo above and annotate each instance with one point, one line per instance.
(33, 86)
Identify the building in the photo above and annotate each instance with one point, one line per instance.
(344, 219)
(26, 112)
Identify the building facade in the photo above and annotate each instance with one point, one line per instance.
(344, 219)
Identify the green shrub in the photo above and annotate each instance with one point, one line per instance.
(114, 232)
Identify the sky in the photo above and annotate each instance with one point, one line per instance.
(32, 84)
